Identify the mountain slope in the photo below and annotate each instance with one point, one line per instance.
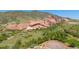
(57, 28)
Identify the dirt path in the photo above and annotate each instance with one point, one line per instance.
(52, 44)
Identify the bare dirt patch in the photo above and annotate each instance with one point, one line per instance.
(52, 44)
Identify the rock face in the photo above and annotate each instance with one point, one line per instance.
(33, 24)
(52, 44)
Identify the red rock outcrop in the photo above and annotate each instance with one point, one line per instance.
(32, 24)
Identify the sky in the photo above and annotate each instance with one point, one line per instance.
(65, 13)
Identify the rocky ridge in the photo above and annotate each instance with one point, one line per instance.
(32, 24)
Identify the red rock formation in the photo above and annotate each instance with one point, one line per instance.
(22, 26)
(51, 20)
(11, 26)
(32, 24)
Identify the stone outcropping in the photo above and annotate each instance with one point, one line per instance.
(32, 24)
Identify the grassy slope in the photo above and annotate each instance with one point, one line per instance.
(23, 39)
(18, 17)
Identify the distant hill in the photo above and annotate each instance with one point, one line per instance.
(21, 16)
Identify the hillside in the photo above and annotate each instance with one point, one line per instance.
(32, 29)
(17, 17)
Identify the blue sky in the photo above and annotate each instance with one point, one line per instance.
(65, 13)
